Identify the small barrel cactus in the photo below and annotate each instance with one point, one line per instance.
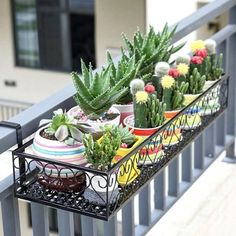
(210, 46)
(136, 85)
(183, 59)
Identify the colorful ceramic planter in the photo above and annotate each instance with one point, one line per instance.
(129, 170)
(192, 118)
(125, 110)
(56, 176)
(96, 124)
(154, 149)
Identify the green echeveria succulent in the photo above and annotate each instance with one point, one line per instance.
(66, 129)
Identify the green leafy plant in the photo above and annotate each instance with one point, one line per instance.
(153, 47)
(101, 152)
(213, 64)
(66, 129)
(97, 92)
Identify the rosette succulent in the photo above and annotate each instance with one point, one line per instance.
(66, 128)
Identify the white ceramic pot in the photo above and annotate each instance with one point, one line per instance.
(58, 151)
(101, 189)
(125, 110)
(208, 84)
(96, 124)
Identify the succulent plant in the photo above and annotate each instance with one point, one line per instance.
(97, 92)
(183, 59)
(196, 82)
(136, 85)
(154, 47)
(66, 129)
(101, 152)
(148, 110)
(125, 134)
(210, 46)
(127, 69)
(173, 93)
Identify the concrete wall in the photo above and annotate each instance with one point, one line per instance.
(112, 17)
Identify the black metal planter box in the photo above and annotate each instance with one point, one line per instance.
(101, 194)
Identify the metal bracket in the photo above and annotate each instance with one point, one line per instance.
(17, 128)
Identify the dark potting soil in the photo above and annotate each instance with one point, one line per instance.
(45, 135)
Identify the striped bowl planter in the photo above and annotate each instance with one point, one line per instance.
(59, 151)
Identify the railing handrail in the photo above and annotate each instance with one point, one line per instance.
(30, 118)
(201, 17)
(10, 102)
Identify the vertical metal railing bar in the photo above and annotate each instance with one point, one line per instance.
(88, 225)
(65, 223)
(145, 206)
(231, 68)
(128, 226)
(10, 216)
(173, 178)
(187, 164)
(40, 221)
(210, 141)
(199, 151)
(160, 191)
(110, 227)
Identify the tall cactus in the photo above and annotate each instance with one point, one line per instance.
(148, 110)
(173, 94)
(196, 82)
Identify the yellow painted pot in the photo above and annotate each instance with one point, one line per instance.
(129, 170)
(192, 118)
(153, 151)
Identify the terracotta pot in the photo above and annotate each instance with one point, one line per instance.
(125, 110)
(192, 118)
(56, 176)
(99, 186)
(129, 171)
(173, 134)
(74, 111)
(151, 152)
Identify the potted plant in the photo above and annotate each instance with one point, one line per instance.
(173, 96)
(126, 68)
(99, 155)
(129, 171)
(214, 71)
(154, 47)
(96, 93)
(196, 83)
(61, 140)
(147, 119)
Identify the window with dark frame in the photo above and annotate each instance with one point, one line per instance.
(55, 34)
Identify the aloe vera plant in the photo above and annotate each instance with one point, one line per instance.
(153, 47)
(97, 92)
(125, 69)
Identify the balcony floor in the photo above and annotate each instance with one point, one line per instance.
(208, 208)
